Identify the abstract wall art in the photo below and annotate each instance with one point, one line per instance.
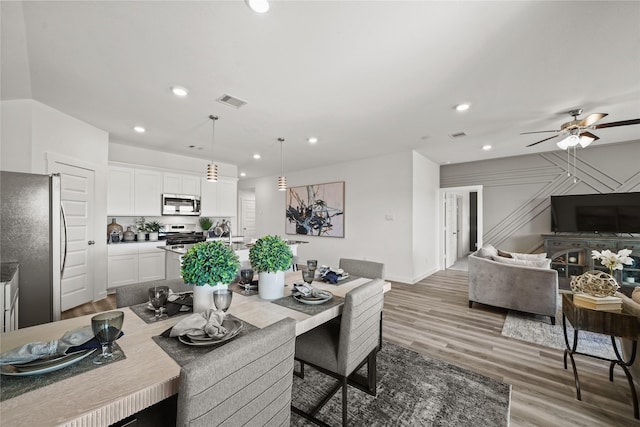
(316, 210)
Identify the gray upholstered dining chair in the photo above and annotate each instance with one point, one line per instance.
(138, 292)
(246, 382)
(340, 348)
(362, 268)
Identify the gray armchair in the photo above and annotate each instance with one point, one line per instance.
(246, 382)
(361, 268)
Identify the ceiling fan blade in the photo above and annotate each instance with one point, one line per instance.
(539, 131)
(546, 139)
(620, 123)
(591, 119)
(590, 135)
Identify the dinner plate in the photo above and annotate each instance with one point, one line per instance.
(45, 366)
(314, 300)
(233, 327)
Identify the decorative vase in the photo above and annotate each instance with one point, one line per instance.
(203, 297)
(153, 236)
(271, 285)
(142, 236)
(595, 283)
(129, 236)
(114, 226)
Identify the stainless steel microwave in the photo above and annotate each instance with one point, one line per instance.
(180, 204)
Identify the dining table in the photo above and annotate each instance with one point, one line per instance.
(147, 375)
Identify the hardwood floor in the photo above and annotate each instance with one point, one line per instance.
(433, 317)
(108, 303)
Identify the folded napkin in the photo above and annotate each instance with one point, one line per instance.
(205, 323)
(178, 302)
(71, 340)
(332, 275)
(301, 290)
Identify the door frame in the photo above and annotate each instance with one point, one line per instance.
(442, 225)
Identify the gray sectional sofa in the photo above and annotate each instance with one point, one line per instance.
(515, 287)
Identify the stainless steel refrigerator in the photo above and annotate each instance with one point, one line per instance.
(32, 234)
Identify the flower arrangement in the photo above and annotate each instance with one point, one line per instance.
(612, 260)
(210, 263)
(270, 254)
(154, 226)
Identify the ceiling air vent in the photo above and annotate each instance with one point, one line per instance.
(231, 101)
(458, 135)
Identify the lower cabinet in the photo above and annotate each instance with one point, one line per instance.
(134, 263)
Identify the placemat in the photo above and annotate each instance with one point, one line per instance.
(311, 310)
(184, 354)
(148, 316)
(15, 386)
(240, 290)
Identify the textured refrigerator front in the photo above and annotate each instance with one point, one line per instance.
(30, 235)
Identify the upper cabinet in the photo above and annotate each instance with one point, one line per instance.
(134, 192)
(219, 199)
(174, 183)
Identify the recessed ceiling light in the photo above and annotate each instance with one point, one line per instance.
(243, 174)
(486, 147)
(313, 140)
(179, 91)
(139, 129)
(462, 107)
(256, 156)
(259, 6)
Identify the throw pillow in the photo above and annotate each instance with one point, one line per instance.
(504, 254)
(635, 296)
(487, 251)
(529, 257)
(545, 263)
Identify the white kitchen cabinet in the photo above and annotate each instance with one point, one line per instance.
(134, 192)
(174, 183)
(134, 263)
(120, 191)
(148, 193)
(219, 199)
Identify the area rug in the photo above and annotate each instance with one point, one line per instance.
(413, 390)
(538, 330)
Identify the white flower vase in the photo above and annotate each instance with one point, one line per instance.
(271, 285)
(203, 298)
(142, 237)
(153, 236)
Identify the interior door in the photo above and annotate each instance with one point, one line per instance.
(451, 229)
(77, 198)
(248, 217)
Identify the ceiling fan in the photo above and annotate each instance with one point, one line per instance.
(577, 131)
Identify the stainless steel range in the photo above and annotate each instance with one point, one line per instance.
(179, 238)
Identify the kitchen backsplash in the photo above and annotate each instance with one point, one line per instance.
(126, 221)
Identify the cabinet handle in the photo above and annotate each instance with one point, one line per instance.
(91, 242)
(576, 245)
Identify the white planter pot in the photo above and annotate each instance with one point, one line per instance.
(142, 237)
(153, 236)
(203, 297)
(271, 285)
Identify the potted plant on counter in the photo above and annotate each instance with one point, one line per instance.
(205, 224)
(141, 229)
(153, 227)
(271, 257)
(208, 266)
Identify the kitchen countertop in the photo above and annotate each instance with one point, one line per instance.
(179, 249)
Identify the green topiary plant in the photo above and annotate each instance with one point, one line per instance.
(270, 254)
(210, 263)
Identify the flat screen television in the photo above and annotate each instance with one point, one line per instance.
(596, 213)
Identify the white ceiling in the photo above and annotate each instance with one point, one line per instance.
(365, 77)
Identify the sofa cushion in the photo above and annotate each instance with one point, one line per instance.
(529, 257)
(487, 251)
(543, 263)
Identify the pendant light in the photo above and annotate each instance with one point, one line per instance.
(282, 180)
(212, 168)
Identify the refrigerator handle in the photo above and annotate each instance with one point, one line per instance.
(66, 239)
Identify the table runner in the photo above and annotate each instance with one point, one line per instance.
(15, 386)
(148, 316)
(183, 353)
(311, 310)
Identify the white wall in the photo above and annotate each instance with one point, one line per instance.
(426, 216)
(379, 216)
(31, 130)
(157, 159)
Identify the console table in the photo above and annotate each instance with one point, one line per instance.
(571, 254)
(614, 324)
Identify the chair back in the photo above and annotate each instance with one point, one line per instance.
(138, 292)
(361, 268)
(246, 382)
(360, 325)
